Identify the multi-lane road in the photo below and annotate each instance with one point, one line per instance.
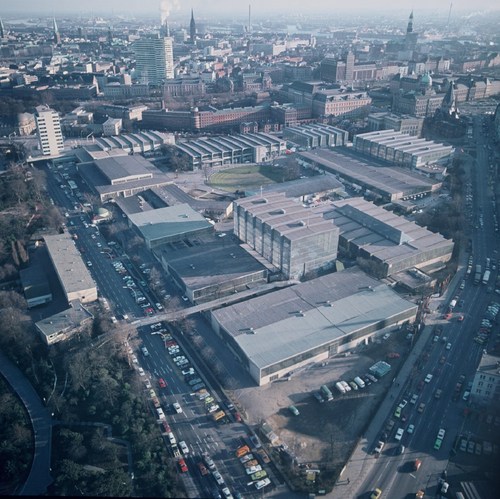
(393, 473)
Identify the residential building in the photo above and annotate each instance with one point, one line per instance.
(48, 127)
(154, 58)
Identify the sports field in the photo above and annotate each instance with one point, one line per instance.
(244, 177)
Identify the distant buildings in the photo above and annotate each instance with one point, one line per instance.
(286, 234)
(48, 128)
(154, 58)
(410, 125)
(399, 149)
(233, 149)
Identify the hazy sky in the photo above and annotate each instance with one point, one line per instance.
(259, 7)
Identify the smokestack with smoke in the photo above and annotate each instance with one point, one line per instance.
(166, 7)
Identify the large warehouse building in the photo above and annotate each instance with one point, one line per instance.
(316, 135)
(291, 237)
(399, 149)
(277, 332)
(75, 279)
(385, 182)
(168, 225)
(392, 242)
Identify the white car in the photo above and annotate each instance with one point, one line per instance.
(185, 298)
(158, 306)
(403, 404)
(171, 437)
(448, 346)
(411, 429)
(141, 371)
(227, 494)
(262, 483)
(218, 477)
(113, 319)
(184, 447)
(89, 263)
(414, 399)
(441, 434)
(177, 407)
(399, 434)
(253, 469)
(428, 378)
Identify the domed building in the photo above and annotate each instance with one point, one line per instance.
(426, 80)
(102, 215)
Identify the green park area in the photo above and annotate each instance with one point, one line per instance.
(245, 177)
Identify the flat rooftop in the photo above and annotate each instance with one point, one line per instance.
(124, 168)
(67, 319)
(284, 215)
(490, 364)
(285, 323)
(374, 173)
(168, 221)
(213, 262)
(69, 264)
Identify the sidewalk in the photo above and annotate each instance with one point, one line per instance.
(39, 478)
(361, 462)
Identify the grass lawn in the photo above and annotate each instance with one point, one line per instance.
(244, 177)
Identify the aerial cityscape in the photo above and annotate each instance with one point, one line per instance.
(250, 250)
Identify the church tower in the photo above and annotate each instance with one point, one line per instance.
(411, 37)
(57, 36)
(2, 30)
(192, 28)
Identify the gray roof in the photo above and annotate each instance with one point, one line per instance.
(66, 320)
(170, 221)
(123, 167)
(302, 187)
(331, 306)
(213, 262)
(34, 281)
(348, 164)
(69, 264)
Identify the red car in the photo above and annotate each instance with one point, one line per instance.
(183, 465)
(437, 372)
(404, 417)
(237, 417)
(421, 386)
(166, 426)
(148, 311)
(171, 343)
(162, 383)
(447, 316)
(82, 250)
(202, 469)
(393, 355)
(442, 360)
(460, 318)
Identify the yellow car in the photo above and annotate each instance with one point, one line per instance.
(376, 494)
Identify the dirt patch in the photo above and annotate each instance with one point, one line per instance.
(325, 433)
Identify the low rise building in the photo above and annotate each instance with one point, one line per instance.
(36, 288)
(410, 125)
(310, 322)
(316, 135)
(169, 225)
(62, 325)
(485, 390)
(112, 126)
(75, 279)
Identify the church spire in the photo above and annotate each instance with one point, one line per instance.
(192, 28)
(57, 36)
(409, 29)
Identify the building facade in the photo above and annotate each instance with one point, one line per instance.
(48, 127)
(486, 385)
(154, 58)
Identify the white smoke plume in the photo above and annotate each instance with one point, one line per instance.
(166, 7)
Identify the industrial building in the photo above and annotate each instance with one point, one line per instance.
(387, 183)
(64, 324)
(392, 242)
(288, 235)
(234, 149)
(169, 225)
(399, 149)
(316, 135)
(36, 288)
(310, 322)
(215, 268)
(75, 279)
(123, 176)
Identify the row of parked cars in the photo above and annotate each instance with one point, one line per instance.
(252, 467)
(490, 316)
(359, 382)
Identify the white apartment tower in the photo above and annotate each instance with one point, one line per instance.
(49, 132)
(154, 58)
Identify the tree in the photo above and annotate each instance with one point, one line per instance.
(21, 252)
(291, 170)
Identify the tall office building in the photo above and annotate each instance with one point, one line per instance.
(154, 58)
(192, 28)
(2, 30)
(49, 132)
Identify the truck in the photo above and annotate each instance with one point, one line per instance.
(477, 276)
(326, 392)
(218, 415)
(486, 276)
(453, 303)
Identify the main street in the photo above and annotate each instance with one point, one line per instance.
(393, 472)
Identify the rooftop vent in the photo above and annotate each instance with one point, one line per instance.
(302, 223)
(282, 211)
